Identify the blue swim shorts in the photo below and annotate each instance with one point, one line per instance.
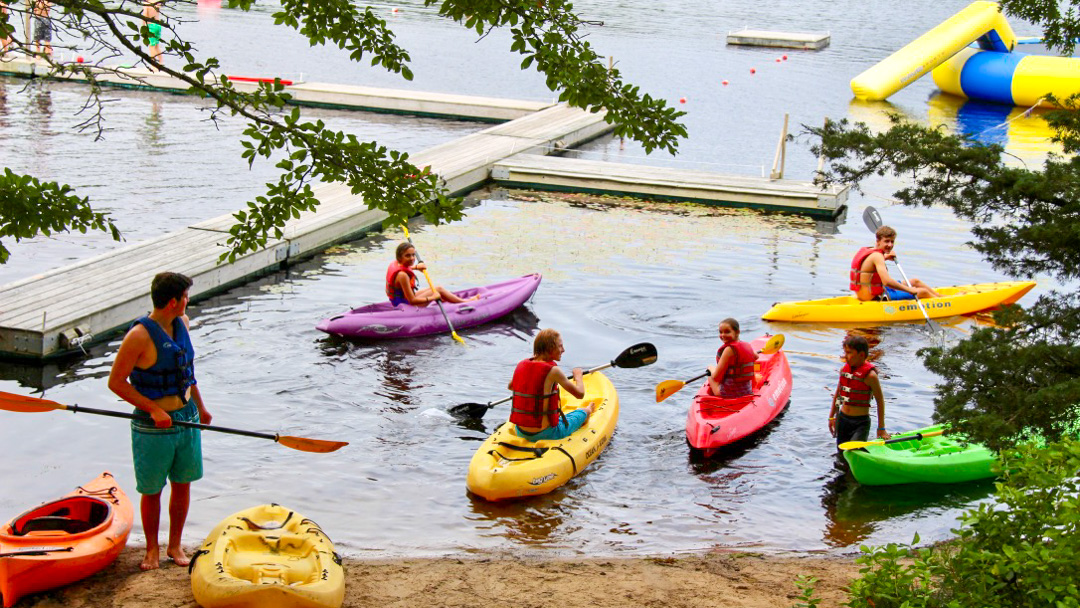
(174, 453)
(567, 425)
(896, 294)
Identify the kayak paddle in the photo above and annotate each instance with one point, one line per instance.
(872, 219)
(854, 445)
(637, 355)
(431, 284)
(21, 403)
(668, 388)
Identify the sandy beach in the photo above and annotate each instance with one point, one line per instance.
(730, 579)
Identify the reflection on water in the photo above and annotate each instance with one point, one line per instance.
(854, 512)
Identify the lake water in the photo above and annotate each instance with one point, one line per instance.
(616, 272)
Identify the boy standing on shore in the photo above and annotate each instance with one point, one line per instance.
(154, 370)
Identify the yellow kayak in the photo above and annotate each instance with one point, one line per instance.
(267, 557)
(509, 466)
(954, 301)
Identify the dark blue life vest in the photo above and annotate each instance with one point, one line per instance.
(174, 370)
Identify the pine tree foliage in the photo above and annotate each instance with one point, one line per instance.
(1022, 376)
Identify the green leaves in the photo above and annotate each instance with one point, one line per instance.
(29, 207)
(1022, 377)
(545, 32)
(1019, 550)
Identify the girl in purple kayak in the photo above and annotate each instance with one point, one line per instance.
(401, 283)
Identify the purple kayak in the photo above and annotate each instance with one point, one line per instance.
(384, 320)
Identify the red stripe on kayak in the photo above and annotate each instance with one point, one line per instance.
(255, 79)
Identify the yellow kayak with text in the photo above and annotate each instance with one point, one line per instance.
(508, 466)
(954, 301)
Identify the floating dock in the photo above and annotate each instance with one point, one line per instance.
(578, 175)
(68, 308)
(787, 40)
(323, 95)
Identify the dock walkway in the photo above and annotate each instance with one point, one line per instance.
(578, 175)
(59, 311)
(65, 309)
(317, 94)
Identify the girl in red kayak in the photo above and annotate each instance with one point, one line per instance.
(733, 374)
(401, 285)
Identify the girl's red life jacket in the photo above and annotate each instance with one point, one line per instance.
(738, 380)
(876, 286)
(530, 406)
(396, 295)
(854, 390)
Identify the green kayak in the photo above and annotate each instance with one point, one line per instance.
(938, 459)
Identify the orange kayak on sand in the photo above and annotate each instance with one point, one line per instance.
(64, 540)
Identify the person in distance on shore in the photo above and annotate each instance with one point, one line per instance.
(733, 374)
(401, 283)
(858, 383)
(535, 387)
(870, 280)
(154, 370)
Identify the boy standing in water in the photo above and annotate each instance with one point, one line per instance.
(858, 382)
(154, 370)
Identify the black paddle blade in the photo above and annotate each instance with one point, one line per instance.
(637, 355)
(469, 410)
(872, 219)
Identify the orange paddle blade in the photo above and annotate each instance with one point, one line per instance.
(319, 446)
(22, 403)
(668, 388)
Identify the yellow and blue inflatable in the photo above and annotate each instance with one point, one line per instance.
(972, 54)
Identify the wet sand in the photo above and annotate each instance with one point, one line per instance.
(730, 579)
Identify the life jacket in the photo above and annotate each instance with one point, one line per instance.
(174, 370)
(530, 406)
(876, 286)
(738, 379)
(854, 390)
(395, 293)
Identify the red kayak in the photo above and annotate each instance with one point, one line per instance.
(714, 422)
(65, 540)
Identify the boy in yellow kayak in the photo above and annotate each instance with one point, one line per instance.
(535, 387)
(858, 382)
(870, 279)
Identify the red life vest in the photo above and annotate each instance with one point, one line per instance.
(876, 286)
(738, 380)
(530, 406)
(396, 295)
(853, 387)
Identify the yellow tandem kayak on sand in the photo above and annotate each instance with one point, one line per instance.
(508, 466)
(267, 557)
(954, 301)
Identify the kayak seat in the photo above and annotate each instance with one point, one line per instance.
(78, 514)
(53, 523)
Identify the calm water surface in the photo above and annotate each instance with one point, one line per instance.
(616, 272)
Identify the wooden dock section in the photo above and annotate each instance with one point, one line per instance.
(323, 95)
(577, 175)
(67, 308)
(788, 40)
